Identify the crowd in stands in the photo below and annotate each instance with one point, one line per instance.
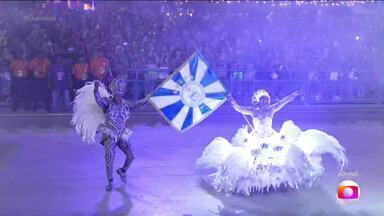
(47, 49)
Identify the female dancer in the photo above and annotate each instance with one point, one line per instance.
(261, 159)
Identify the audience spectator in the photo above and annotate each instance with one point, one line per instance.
(20, 81)
(39, 86)
(60, 79)
(5, 79)
(80, 71)
(100, 66)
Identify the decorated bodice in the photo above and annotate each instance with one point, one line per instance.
(262, 121)
(116, 115)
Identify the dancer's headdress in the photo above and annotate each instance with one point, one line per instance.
(258, 94)
(118, 85)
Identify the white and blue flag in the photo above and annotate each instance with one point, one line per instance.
(190, 94)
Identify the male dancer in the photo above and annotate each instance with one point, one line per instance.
(117, 112)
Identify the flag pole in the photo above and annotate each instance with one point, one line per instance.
(231, 100)
(249, 124)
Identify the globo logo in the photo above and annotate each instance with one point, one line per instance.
(348, 190)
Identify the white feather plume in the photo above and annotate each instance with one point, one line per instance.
(87, 114)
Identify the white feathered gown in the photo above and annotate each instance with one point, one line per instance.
(253, 163)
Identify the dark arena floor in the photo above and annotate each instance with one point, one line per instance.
(45, 168)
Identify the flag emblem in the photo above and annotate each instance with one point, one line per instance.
(190, 94)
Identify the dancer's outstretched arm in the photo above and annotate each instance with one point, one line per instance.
(101, 101)
(238, 108)
(139, 103)
(280, 104)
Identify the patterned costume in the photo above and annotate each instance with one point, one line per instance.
(110, 116)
